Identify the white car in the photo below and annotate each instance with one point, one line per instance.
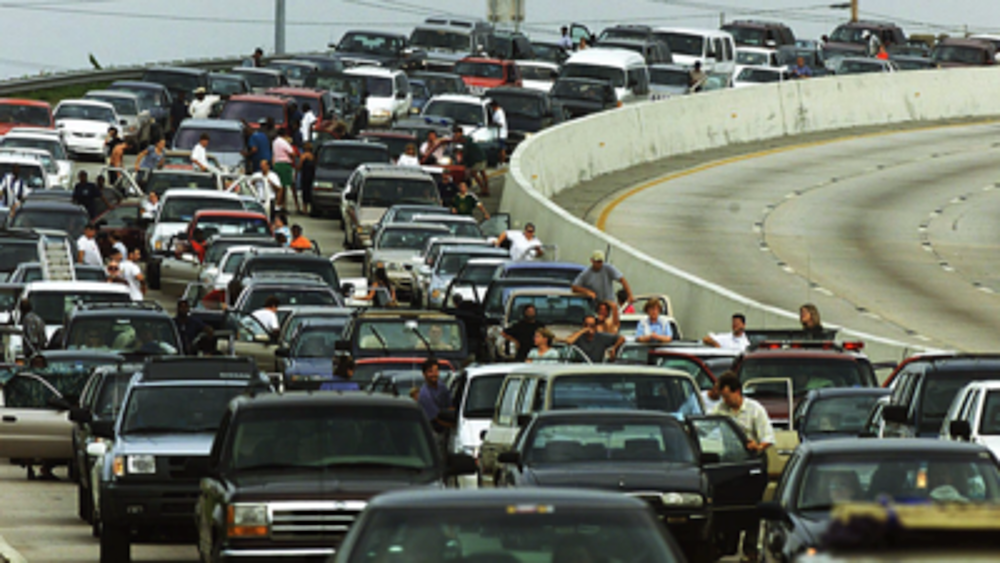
(84, 125)
(32, 171)
(135, 121)
(43, 158)
(538, 75)
(389, 95)
(974, 415)
(757, 75)
(756, 56)
(178, 206)
(471, 113)
(46, 139)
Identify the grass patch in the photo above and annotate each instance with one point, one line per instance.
(56, 95)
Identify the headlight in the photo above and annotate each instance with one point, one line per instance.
(158, 245)
(381, 113)
(246, 520)
(682, 499)
(141, 464)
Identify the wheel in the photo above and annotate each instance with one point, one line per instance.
(83, 504)
(115, 547)
(153, 274)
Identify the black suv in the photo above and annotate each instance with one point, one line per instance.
(256, 263)
(753, 33)
(288, 474)
(133, 329)
(178, 79)
(379, 48)
(852, 39)
(156, 452)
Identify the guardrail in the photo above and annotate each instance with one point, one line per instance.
(562, 157)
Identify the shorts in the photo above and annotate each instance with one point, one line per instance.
(285, 172)
(478, 167)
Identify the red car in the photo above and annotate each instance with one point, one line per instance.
(215, 222)
(481, 74)
(125, 220)
(254, 107)
(320, 102)
(15, 112)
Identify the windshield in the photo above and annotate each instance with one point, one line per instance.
(462, 229)
(905, 478)
(939, 390)
(752, 58)
(72, 221)
(221, 140)
(960, 54)
(112, 393)
(182, 210)
(161, 181)
(124, 334)
(542, 533)
(291, 298)
(443, 84)
(581, 91)
(253, 112)
(481, 398)
(839, 415)
(322, 268)
(443, 335)
(123, 106)
(173, 81)
(53, 146)
(43, 157)
(806, 374)
(346, 84)
(479, 274)
(668, 77)
(527, 106)
(85, 112)
(462, 113)
(378, 86)
(479, 69)
(177, 409)
(608, 442)
(217, 225)
(555, 309)
(386, 192)
(754, 37)
(758, 75)
(629, 392)
(685, 43)
(25, 115)
(615, 76)
(33, 174)
(349, 157)
(441, 39)
(845, 34)
(261, 80)
(318, 341)
(989, 423)
(858, 67)
(13, 253)
(226, 85)
(370, 43)
(52, 306)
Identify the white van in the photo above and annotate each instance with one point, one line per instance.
(714, 49)
(389, 95)
(625, 69)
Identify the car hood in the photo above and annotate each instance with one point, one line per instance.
(83, 125)
(322, 485)
(390, 256)
(310, 366)
(166, 444)
(619, 476)
(370, 215)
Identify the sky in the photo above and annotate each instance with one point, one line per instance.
(58, 35)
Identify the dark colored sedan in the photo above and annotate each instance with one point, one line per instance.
(51, 215)
(306, 362)
(583, 96)
(821, 475)
(698, 477)
(124, 220)
(835, 413)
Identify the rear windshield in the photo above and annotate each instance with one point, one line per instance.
(219, 140)
(85, 112)
(261, 80)
(173, 81)
(318, 341)
(343, 157)
(123, 106)
(685, 43)
(386, 192)
(322, 268)
(13, 253)
(52, 306)
(668, 77)
(939, 390)
(806, 374)
(960, 54)
(753, 37)
(580, 91)
(181, 210)
(215, 225)
(124, 334)
(630, 392)
(479, 70)
(253, 112)
(405, 239)
(72, 221)
(291, 298)
(226, 85)
(161, 181)
(25, 115)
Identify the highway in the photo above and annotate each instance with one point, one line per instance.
(891, 234)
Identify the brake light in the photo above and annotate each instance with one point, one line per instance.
(854, 346)
(769, 345)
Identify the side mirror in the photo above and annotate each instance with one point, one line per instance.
(460, 464)
(895, 413)
(482, 435)
(772, 511)
(59, 403)
(80, 415)
(510, 457)
(710, 458)
(523, 419)
(282, 352)
(960, 429)
(97, 449)
(103, 429)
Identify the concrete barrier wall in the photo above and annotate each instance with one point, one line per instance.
(585, 149)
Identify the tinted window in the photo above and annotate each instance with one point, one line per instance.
(173, 81)
(552, 309)
(123, 106)
(960, 54)
(317, 341)
(13, 253)
(25, 115)
(615, 76)
(939, 390)
(161, 181)
(124, 334)
(527, 106)
(182, 210)
(253, 111)
(481, 398)
(221, 140)
(112, 393)
(215, 225)
(52, 306)
(669, 77)
(370, 43)
(479, 69)
(395, 335)
(226, 85)
(177, 409)
(608, 442)
(322, 268)
(440, 39)
(685, 44)
(261, 80)
(843, 415)
(630, 392)
(26, 392)
(990, 422)
(290, 297)
(461, 112)
(806, 374)
(72, 221)
(344, 157)
(85, 112)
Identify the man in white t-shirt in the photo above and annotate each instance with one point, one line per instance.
(308, 120)
(267, 315)
(523, 245)
(735, 340)
(500, 120)
(200, 107)
(266, 182)
(87, 251)
(133, 275)
(199, 155)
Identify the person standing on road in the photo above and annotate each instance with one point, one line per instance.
(116, 160)
(735, 340)
(111, 140)
(752, 418)
(597, 281)
(653, 328)
(267, 184)
(151, 158)
(523, 245)
(435, 400)
(200, 107)
(499, 117)
(308, 121)
(199, 154)
(565, 41)
(474, 158)
(86, 194)
(133, 274)
(466, 203)
(284, 167)
(522, 333)
(307, 176)
(258, 147)
(12, 188)
(32, 330)
(595, 345)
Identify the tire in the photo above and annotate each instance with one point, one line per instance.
(115, 545)
(700, 552)
(83, 504)
(153, 274)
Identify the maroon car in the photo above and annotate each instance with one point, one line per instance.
(125, 220)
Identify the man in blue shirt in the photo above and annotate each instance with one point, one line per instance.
(258, 148)
(435, 399)
(801, 70)
(654, 328)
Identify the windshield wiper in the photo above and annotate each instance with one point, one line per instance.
(372, 465)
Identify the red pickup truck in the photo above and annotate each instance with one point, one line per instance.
(15, 112)
(481, 74)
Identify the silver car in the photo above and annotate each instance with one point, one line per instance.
(449, 262)
(395, 248)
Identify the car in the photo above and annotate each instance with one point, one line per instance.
(851, 39)
(177, 207)
(432, 248)
(538, 75)
(224, 255)
(49, 140)
(323, 457)
(974, 415)
(336, 161)
(137, 121)
(377, 49)
(366, 369)
(33, 172)
(177, 79)
(904, 62)
(756, 56)
(953, 52)
(508, 45)
(324, 62)
(83, 125)
(376, 333)
(395, 248)
(561, 311)
(481, 74)
(372, 189)
(28, 272)
(756, 75)
(346, 90)
(222, 85)
(715, 360)
(253, 108)
(536, 388)
(653, 50)
(267, 261)
(305, 362)
(53, 176)
(668, 80)
(715, 49)
(21, 113)
(493, 305)
(528, 112)
(583, 96)
(541, 525)
(131, 329)
(50, 216)
(320, 101)
(404, 212)
(448, 39)
(295, 70)
(824, 414)
(924, 387)
(470, 283)
(153, 97)
(389, 96)
(760, 34)
(862, 65)
(438, 83)
(225, 142)
(470, 112)
(17, 246)
(432, 281)
(686, 471)
(158, 448)
(293, 289)
(824, 474)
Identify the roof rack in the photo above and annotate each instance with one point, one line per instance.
(278, 276)
(134, 305)
(192, 368)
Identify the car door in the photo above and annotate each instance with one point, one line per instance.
(29, 426)
(738, 477)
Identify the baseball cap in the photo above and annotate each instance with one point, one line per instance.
(597, 256)
(200, 90)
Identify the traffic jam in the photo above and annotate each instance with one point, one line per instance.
(276, 312)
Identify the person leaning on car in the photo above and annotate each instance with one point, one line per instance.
(595, 345)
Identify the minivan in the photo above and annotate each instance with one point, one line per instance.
(389, 96)
(714, 49)
(626, 70)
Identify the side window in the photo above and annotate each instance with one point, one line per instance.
(505, 414)
(528, 397)
(640, 78)
(780, 491)
(539, 403)
(215, 456)
(719, 435)
(719, 53)
(402, 85)
(727, 46)
(27, 392)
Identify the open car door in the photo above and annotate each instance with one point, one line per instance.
(31, 427)
(738, 477)
(496, 224)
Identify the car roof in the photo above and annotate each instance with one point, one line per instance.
(258, 99)
(85, 102)
(609, 370)
(302, 399)
(346, 143)
(545, 64)
(199, 194)
(847, 446)
(227, 213)
(459, 98)
(24, 102)
(962, 42)
(805, 353)
(178, 69)
(295, 91)
(543, 265)
(371, 71)
(402, 314)
(227, 124)
(51, 205)
(432, 217)
(588, 415)
(694, 31)
(415, 227)
(505, 499)
(139, 84)
(75, 286)
(393, 170)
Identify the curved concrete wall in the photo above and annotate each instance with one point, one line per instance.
(582, 150)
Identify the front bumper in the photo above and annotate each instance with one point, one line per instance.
(290, 554)
(83, 145)
(152, 504)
